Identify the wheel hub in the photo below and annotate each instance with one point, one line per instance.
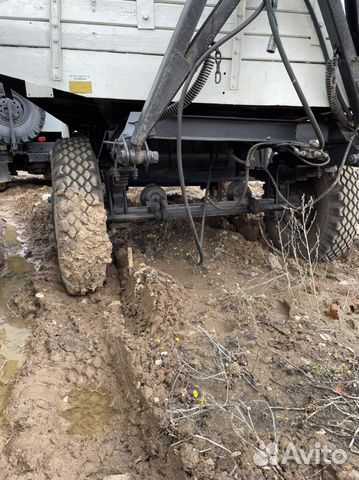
(18, 111)
(153, 195)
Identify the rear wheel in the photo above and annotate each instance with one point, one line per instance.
(79, 216)
(28, 119)
(328, 228)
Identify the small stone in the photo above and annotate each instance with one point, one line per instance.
(158, 362)
(236, 454)
(147, 392)
(334, 311)
(274, 262)
(325, 337)
(156, 400)
(115, 303)
(39, 295)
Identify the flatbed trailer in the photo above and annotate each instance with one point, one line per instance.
(167, 92)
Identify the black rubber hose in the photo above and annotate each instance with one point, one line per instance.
(185, 88)
(194, 91)
(292, 75)
(341, 167)
(330, 188)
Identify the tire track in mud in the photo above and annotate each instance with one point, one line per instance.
(76, 409)
(106, 372)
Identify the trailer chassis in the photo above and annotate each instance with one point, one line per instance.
(131, 148)
(186, 48)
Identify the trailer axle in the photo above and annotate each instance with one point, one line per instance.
(163, 212)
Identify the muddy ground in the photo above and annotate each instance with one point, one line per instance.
(174, 371)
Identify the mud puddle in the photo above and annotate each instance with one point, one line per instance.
(88, 411)
(13, 329)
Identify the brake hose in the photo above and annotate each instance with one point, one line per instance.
(181, 103)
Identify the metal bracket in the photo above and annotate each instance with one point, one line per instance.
(237, 47)
(125, 155)
(11, 125)
(38, 91)
(55, 39)
(145, 14)
(123, 152)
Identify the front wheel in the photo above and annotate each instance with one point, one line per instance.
(326, 230)
(79, 216)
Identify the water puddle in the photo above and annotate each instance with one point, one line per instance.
(13, 330)
(88, 412)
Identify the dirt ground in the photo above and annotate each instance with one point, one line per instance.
(174, 371)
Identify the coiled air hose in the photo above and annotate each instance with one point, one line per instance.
(194, 91)
(331, 87)
(336, 95)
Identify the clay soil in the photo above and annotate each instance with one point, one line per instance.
(175, 371)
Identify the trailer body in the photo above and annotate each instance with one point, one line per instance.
(112, 49)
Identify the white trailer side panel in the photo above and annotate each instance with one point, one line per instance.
(113, 48)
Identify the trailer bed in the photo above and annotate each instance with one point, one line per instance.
(112, 49)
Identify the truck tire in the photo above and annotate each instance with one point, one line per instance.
(79, 216)
(28, 118)
(332, 226)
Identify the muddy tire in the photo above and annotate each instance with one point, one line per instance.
(79, 216)
(333, 224)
